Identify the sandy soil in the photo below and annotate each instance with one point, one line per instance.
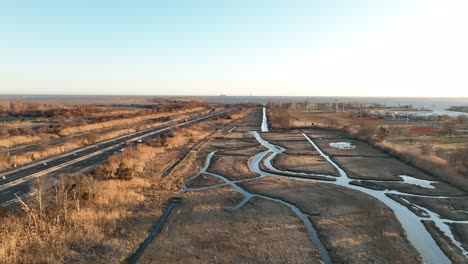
(357, 228)
(378, 168)
(304, 163)
(204, 230)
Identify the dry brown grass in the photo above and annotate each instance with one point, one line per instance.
(204, 230)
(90, 139)
(357, 227)
(12, 141)
(70, 226)
(87, 217)
(278, 116)
(399, 142)
(19, 140)
(120, 122)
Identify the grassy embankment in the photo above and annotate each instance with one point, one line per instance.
(108, 213)
(90, 135)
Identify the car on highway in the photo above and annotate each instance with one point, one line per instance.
(139, 141)
(122, 150)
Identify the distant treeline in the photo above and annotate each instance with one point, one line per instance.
(463, 109)
(17, 107)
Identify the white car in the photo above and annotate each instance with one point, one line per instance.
(139, 141)
(122, 149)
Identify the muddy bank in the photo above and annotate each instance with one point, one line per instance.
(441, 189)
(455, 208)
(460, 231)
(452, 252)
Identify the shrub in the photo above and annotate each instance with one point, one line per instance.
(381, 133)
(163, 140)
(3, 211)
(103, 171)
(365, 132)
(124, 172)
(459, 160)
(426, 149)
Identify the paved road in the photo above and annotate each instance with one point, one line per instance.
(18, 181)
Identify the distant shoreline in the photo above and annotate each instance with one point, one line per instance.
(432, 103)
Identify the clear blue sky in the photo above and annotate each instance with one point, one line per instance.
(238, 47)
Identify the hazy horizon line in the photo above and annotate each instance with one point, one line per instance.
(240, 95)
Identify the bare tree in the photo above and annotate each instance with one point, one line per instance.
(426, 149)
(381, 133)
(459, 160)
(449, 128)
(366, 132)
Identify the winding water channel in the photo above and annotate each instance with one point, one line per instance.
(411, 223)
(264, 127)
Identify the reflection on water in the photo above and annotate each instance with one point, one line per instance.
(264, 127)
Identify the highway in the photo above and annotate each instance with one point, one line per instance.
(56, 142)
(20, 180)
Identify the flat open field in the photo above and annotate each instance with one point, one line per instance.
(411, 136)
(359, 148)
(35, 131)
(304, 163)
(374, 168)
(203, 230)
